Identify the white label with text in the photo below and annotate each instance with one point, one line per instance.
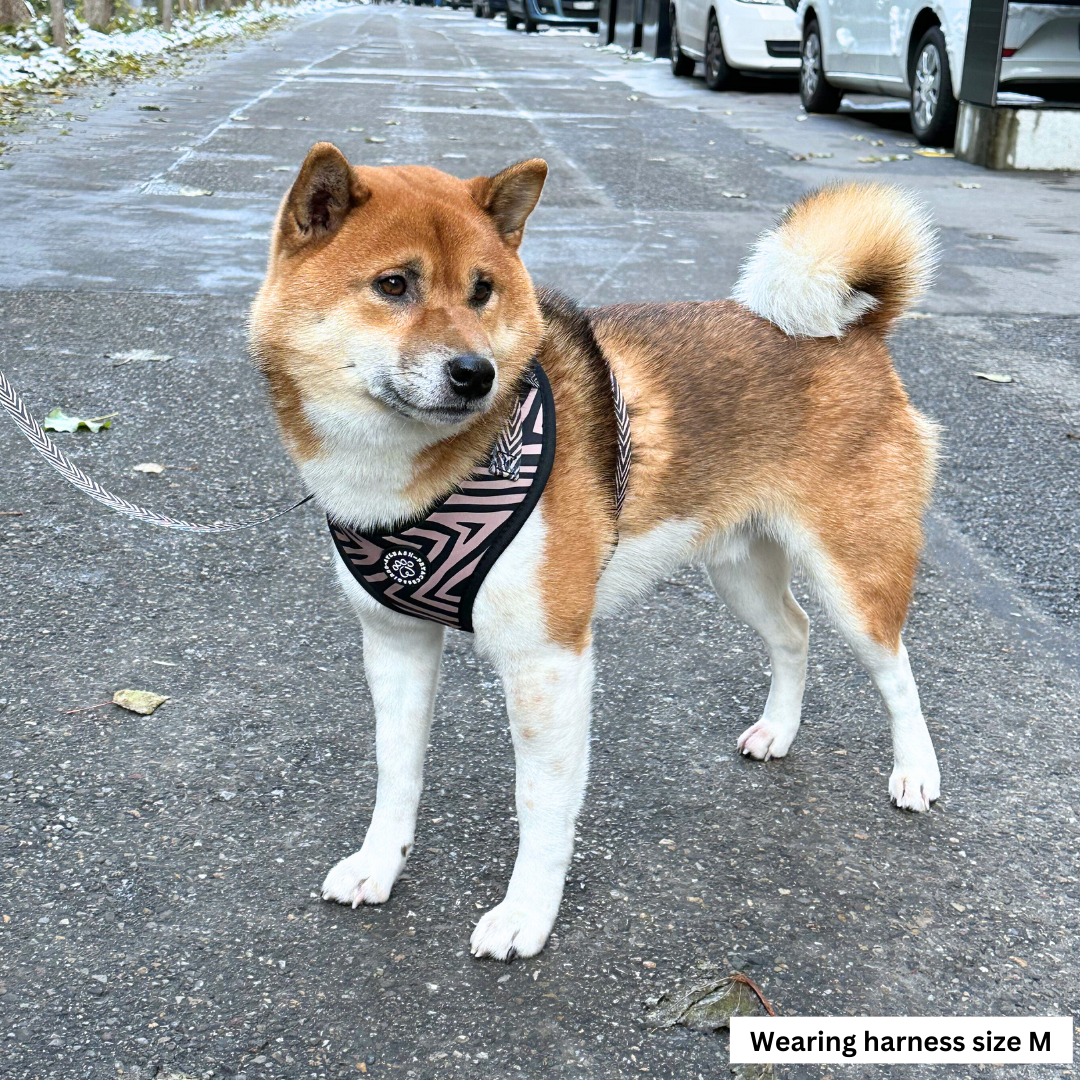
(903, 1040)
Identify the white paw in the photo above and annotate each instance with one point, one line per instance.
(363, 878)
(765, 740)
(510, 930)
(915, 788)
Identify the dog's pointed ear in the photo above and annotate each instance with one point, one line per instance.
(510, 196)
(322, 196)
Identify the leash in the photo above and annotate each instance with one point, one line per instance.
(75, 476)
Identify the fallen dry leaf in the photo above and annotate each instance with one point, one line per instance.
(151, 467)
(133, 356)
(989, 376)
(58, 420)
(709, 1007)
(143, 702)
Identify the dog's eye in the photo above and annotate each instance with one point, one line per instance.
(482, 292)
(393, 285)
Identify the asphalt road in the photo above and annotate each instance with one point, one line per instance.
(159, 875)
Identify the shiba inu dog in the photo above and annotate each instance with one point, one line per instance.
(770, 431)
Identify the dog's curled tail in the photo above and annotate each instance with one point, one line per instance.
(847, 254)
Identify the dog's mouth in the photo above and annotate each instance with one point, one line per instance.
(442, 413)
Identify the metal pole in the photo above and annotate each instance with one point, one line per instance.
(982, 57)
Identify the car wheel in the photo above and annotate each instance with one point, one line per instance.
(681, 64)
(511, 20)
(933, 107)
(718, 76)
(477, 13)
(529, 22)
(488, 11)
(816, 94)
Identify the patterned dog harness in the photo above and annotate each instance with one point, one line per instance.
(433, 568)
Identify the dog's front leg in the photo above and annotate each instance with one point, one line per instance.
(548, 700)
(401, 659)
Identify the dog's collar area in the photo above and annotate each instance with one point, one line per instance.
(505, 459)
(433, 568)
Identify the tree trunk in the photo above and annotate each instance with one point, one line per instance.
(14, 13)
(166, 15)
(59, 30)
(99, 13)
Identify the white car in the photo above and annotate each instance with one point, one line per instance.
(915, 50)
(732, 36)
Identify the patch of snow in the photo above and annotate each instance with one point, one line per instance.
(27, 59)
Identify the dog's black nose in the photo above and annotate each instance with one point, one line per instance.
(471, 376)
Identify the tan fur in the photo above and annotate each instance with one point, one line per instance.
(740, 423)
(845, 255)
(733, 421)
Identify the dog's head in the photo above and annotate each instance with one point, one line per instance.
(395, 296)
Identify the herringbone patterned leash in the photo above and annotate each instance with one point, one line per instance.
(75, 476)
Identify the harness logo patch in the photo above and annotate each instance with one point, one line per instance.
(405, 567)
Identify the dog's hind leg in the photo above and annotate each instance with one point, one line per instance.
(754, 583)
(916, 780)
(865, 580)
(402, 657)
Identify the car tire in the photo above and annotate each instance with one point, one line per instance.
(815, 92)
(529, 22)
(487, 10)
(477, 13)
(511, 20)
(718, 74)
(933, 106)
(681, 64)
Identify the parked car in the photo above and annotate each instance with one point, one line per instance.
(529, 13)
(1041, 52)
(487, 9)
(732, 36)
(915, 50)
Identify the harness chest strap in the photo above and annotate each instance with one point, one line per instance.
(433, 568)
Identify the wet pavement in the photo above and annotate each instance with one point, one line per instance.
(159, 875)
